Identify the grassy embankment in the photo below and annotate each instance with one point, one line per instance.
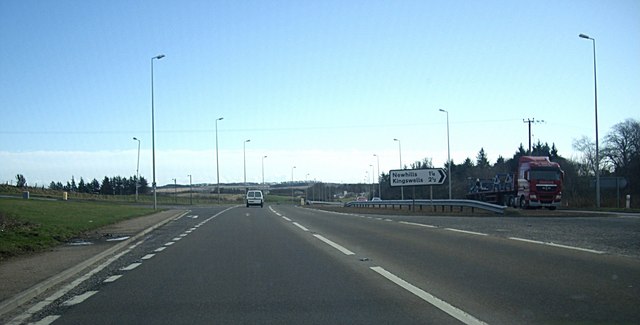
(34, 225)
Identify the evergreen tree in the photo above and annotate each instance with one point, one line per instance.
(73, 187)
(94, 187)
(106, 188)
(144, 186)
(481, 159)
(82, 187)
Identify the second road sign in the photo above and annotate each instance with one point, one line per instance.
(413, 177)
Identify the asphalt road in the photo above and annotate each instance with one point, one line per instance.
(289, 265)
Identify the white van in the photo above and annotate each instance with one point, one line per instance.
(255, 197)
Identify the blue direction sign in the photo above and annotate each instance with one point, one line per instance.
(414, 177)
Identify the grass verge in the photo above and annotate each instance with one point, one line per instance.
(34, 225)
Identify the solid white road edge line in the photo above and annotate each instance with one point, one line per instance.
(334, 245)
(466, 232)
(300, 226)
(455, 312)
(557, 245)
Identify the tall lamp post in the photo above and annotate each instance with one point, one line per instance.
(244, 154)
(400, 152)
(378, 176)
(263, 170)
(217, 164)
(190, 191)
(448, 153)
(292, 199)
(595, 91)
(137, 169)
(153, 138)
(372, 188)
(175, 190)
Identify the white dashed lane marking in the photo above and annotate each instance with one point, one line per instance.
(148, 256)
(334, 245)
(130, 267)
(417, 224)
(557, 245)
(47, 320)
(79, 299)
(300, 226)
(435, 301)
(112, 278)
(466, 232)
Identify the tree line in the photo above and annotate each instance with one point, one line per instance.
(115, 185)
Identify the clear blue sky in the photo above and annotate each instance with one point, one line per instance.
(320, 85)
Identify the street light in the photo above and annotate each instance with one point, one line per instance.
(263, 170)
(244, 151)
(448, 153)
(400, 152)
(595, 91)
(153, 139)
(379, 188)
(190, 191)
(137, 169)
(372, 173)
(175, 190)
(292, 199)
(217, 164)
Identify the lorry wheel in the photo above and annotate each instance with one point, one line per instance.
(551, 208)
(523, 203)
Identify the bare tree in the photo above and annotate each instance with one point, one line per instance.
(587, 163)
(622, 145)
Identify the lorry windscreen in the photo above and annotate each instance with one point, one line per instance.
(545, 174)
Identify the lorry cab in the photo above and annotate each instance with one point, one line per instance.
(539, 183)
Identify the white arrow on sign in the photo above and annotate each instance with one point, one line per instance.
(415, 177)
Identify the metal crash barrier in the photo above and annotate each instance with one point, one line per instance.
(428, 203)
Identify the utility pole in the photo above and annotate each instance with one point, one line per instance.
(530, 121)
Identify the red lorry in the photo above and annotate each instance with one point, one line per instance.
(536, 184)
